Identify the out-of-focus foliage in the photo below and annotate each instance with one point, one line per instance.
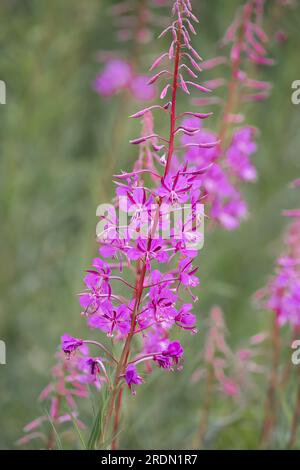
(56, 162)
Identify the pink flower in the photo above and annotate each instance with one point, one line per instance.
(239, 151)
(70, 344)
(282, 294)
(148, 250)
(229, 213)
(171, 355)
(185, 319)
(174, 189)
(97, 282)
(230, 387)
(110, 319)
(115, 77)
(187, 273)
(127, 297)
(141, 90)
(201, 156)
(132, 378)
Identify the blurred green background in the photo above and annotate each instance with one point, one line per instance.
(56, 145)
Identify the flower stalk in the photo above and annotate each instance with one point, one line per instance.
(154, 303)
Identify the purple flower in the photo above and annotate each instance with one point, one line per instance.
(111, 319)
(238, 152)
(89, 370)
(216, 182)
(185, 319)
(70, 344)
(164, 362)
(229, 212)
(148, 250)
(128, 297)
(201, 156)
(282, 294)
(132, 378)
(174, 351)
(141, 90)
(174, 189)
(161, 307)
(187, 273)
(136, 204)
(93, 365)
(97, 282)
(156, 339)
(116, 76)
(170, 356)
(114, 249)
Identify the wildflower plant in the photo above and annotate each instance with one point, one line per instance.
(139, 291)
(231, 166)
(281, 296)
(232, 158)
(283, 291)
(136, 290)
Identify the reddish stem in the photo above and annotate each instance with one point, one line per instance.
(121, 367)
(114, 445)
(174, 101)
(141, 271)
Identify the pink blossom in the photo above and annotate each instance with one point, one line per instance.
(141, 90)
(230, 387)
(115, 77)
(118, 75)
(242, 146)
(132, 378)
(282, 294)
(151, 304)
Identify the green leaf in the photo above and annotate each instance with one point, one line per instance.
(57, 438)
(74, 420)
(96, 431)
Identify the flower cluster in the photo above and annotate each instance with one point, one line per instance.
(220, 191)
(232, 158)
(140, 287)
(282, 295)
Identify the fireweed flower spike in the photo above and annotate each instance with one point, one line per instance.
(283, 291)
(282, 297)
(134, 290)
(232, 158)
